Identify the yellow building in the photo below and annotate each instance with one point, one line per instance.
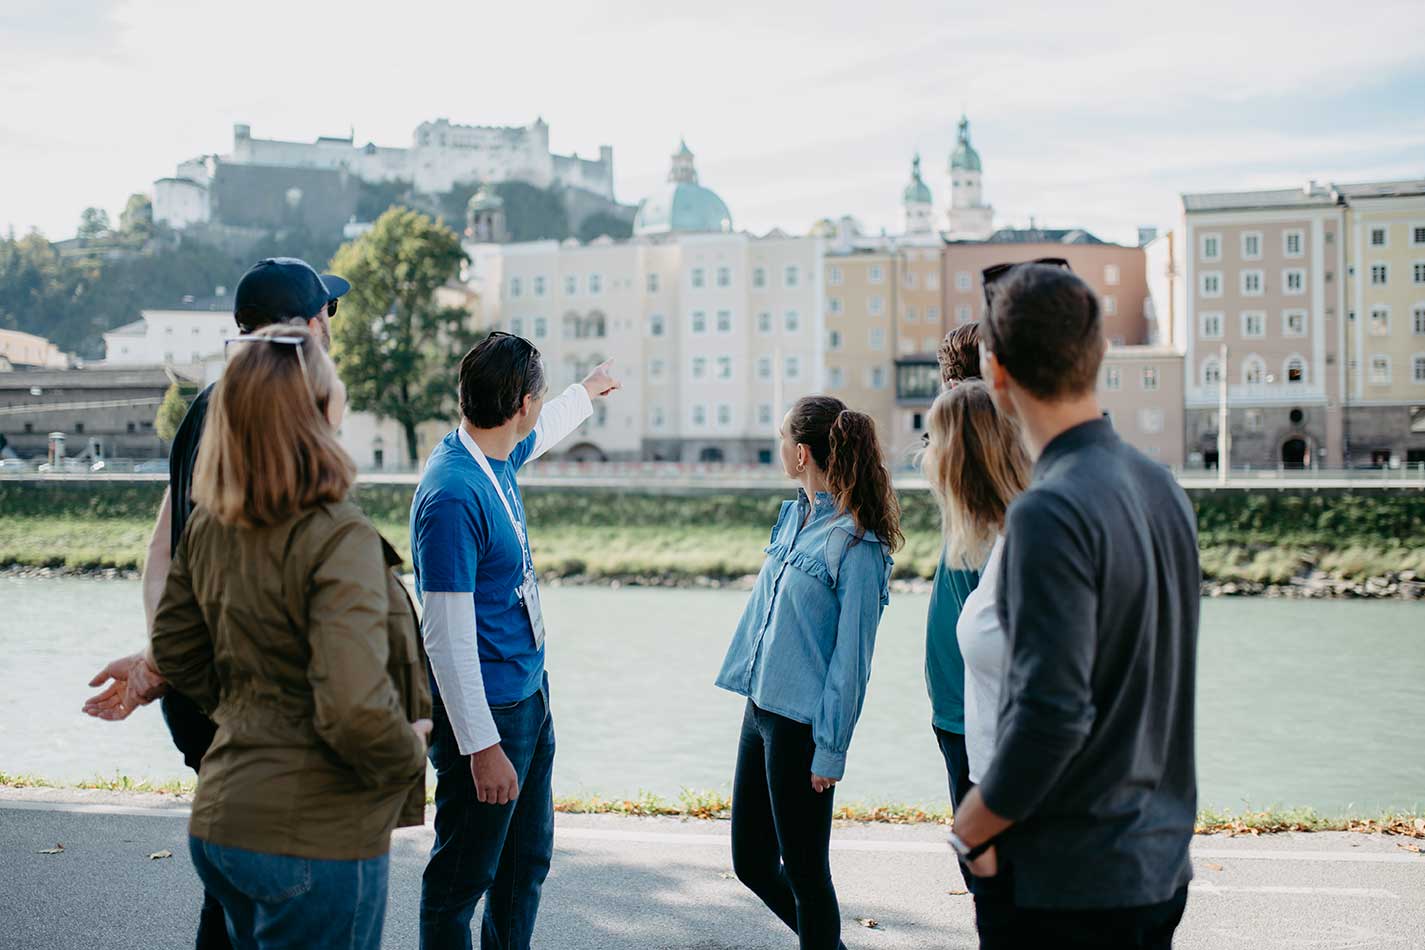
(1385, 334)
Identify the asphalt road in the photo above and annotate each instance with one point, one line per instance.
(658, 883)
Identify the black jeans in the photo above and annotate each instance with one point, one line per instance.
(193, 733)
(957, 767)
(1003, 925)
(781, 828)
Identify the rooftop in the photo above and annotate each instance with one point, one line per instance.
(93, 377)
(1384, 189)
(1313, 195)
(220, 304)
(137, 328)
(1038, 236)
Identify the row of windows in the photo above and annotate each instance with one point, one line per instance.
(721, 368)
(1380, 235)
(1254, 371)
(697, 277)
(875, 378)
(1252, 323)
(1250, 247)
(1380, 369)
(698, 415)
(1380, 274)
(1378, 323)
(876, 306)
(876, 274)
(1252, 283)
(1147, 378)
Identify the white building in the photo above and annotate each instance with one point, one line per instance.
(191, 338)
(714, 333)
(442, 155)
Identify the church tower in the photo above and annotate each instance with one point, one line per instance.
(970, 218)
(919, 208)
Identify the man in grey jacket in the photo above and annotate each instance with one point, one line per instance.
(1087, 810)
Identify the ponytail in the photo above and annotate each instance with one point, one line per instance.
(843, 443)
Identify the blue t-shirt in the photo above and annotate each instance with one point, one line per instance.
(462, 540)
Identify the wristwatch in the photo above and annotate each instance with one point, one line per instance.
(965, 852)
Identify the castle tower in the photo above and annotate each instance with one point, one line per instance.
(485, 218)
(916, 199)
(970, 218)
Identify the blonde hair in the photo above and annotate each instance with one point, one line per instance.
(976, 465)
(268, 449)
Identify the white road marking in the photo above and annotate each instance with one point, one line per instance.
(1372, 893)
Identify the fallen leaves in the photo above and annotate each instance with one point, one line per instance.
(1213, 867)
(961, 892)
(57, 849)
(1407, 846)
(160, 855)
(870, 923)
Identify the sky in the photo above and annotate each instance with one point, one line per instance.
(1091, 115)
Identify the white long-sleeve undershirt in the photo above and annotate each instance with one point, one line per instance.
(449, 626)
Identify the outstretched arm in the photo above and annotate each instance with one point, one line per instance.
(567, 411)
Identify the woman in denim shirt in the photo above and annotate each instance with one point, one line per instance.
(802, 656)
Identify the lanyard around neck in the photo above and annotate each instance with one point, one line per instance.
(474, 449)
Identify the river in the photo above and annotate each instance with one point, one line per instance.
(1300, 703)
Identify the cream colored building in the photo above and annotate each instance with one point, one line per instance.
(1385, 333)
(25, 350)
(1141, 389)
(1264, 278)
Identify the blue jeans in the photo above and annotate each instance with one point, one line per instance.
(499, 852)
(273, 901)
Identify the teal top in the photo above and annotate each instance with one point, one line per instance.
(944, 666)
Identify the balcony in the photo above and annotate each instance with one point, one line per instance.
(1256, 394)
(917, 380)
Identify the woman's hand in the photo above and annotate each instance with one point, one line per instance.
(134, 683)
(820, 783)
(422, 728)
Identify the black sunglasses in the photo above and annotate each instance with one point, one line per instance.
(997, 272)
(331, 307)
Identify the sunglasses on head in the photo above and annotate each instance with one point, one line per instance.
(998, 272)
(294, 341)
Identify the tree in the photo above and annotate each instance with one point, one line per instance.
(601, 223)
(396, 346)
(136, 220)
(172, 410)
(93, 224)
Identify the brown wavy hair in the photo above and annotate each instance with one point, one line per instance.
(976, 465)
(843, 444)
(268, 450)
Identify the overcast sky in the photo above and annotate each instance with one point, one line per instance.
(1095, 115)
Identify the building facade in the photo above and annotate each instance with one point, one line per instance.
(1266, 319)
(441, 156)
(100, 412)
(27, 351)
(1384, 424)
(714, 332)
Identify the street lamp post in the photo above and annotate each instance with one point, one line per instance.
(1224, 424)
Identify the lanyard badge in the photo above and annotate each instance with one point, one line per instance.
(529, 585)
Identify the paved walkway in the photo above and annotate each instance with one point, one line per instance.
(658, 883)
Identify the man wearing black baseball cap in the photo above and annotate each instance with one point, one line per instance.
(274, 290)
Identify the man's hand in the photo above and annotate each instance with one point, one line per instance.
(820, 783)
(134, 684)
(601, 382)
(986, 865)
(495, 779)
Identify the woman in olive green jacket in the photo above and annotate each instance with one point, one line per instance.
(285, 620)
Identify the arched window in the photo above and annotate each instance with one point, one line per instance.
(1254, 371)
(595, 325)
(1211, 372)
(1294, 369)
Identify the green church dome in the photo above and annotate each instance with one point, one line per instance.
(682, 205)
(917, 192)
(964, 158)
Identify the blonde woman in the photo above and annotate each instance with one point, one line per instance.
(283, 620)
(976, 465)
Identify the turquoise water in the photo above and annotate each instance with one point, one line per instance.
(1299, 702)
